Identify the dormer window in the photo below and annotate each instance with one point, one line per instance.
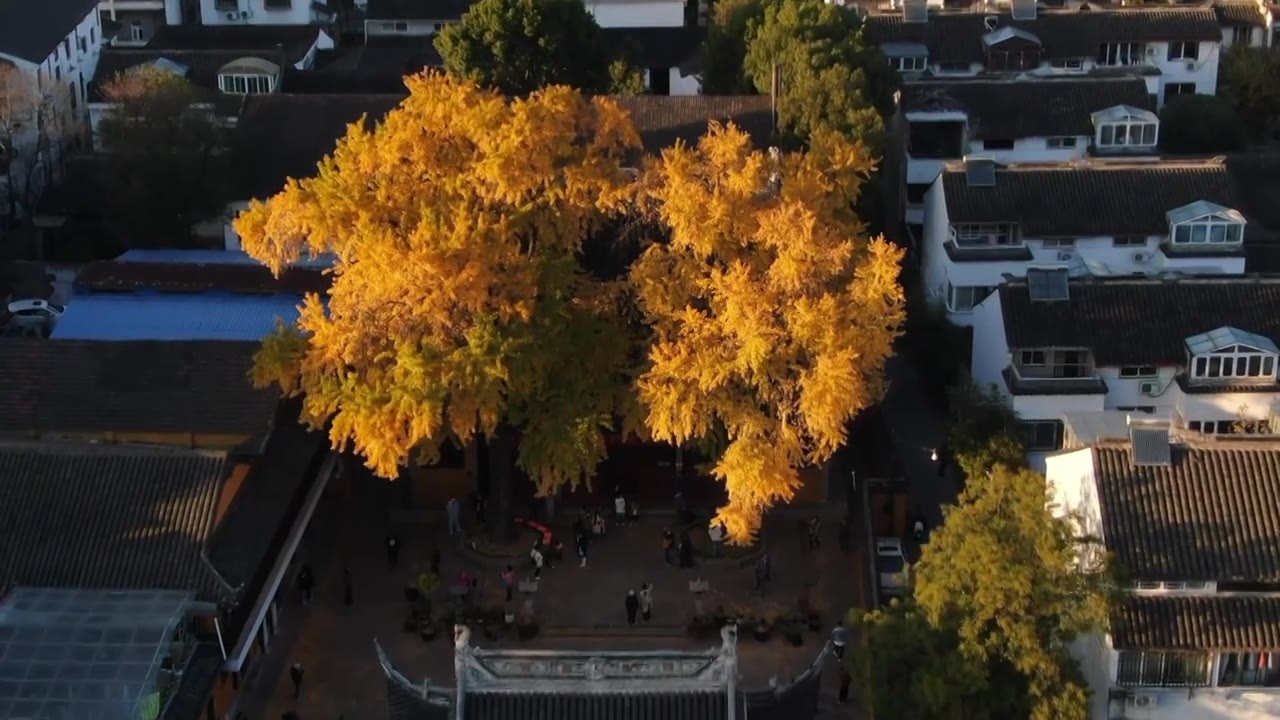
(1125, 126)
(249, 76)
(1230, 354)
(906, 57)
(1009, 48)
(1205, 223)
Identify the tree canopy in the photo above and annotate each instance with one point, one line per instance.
(1017, 585)
(165, 171)
(458, 305)
(1251, 84)
(1199, 124)
(772, 312)
(32, 125)
(830, 77)
(519, 46)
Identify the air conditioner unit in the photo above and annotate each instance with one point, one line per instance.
(1150, 389)
(233, 16)
(1141, 701)
(1066, 256)
(1151, 50)
(246, 14)
(1141, 257)
(1191, 66)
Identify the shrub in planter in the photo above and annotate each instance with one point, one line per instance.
(795, 634)
(762, 631)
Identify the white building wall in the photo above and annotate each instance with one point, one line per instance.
(637, 13)
(684, 84)
(412, 28)
(1225, 406)
(213, 12)
(990, 347)
(173, 12)
(230, 238)
(1052, 407)
(1126, 392)
(1033, 149)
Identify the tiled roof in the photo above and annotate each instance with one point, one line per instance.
(31, 30)
(417, 9)
(218, 316)
(661, 120)
(1097, 198)
(1239, 13)
(312, 123)
(957, 36)
(1212, 514)
(377, 66)
(656, 47)
(1012, 109)
(157, 387)
(1257, 181)
(107, 516)
(199, 277)
(1221, 623)
(294, 40)
(268, 498)
(202, 65)
(1140, 321)
(711, 705)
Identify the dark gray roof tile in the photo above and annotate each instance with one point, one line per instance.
(417, 9)
(1245, 14)
(1222, 623)
(1212, 514)
(31, 29)
(597, 706)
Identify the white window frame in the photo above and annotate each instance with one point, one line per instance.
(1158, 662)
(1032, 358)
(1058, 243)
(398, 26)
(246, 83)
(1134, 372)
(135, 31)
(1072, 63)
(910, 63)
(1121, 54)
(1129, 241)
(978, 235)
(1202, 231)
(1241, 35)
(1061, 142)
(1178, 50)
(1122, 133)
(971, 295)
(1032, 429)
(1236, 362)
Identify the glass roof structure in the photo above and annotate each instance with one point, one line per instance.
(1225, 337)
(69, 654)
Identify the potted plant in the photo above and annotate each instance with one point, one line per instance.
(763, 631)
(427, 630)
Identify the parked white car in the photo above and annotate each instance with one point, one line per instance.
(891, 564)
(35, 313)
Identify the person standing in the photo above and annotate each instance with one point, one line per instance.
(581, 542)
(633, 606)
(306, 581)
(686, 550)
(480, 504)
(536, 556)
(508, 581)
(646, 602)
(842, 534)
(393, 550)
(716, 534)
(668, 547)
(348, 588)
(815, 533)
(844, 686)
(619, 507)
(295, 674)
(454, 510)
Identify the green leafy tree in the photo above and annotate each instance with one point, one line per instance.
(723, 72)
(1193, 124)
(1251, 84)
(519, 46)
(165, 169)
(831, 78)
(626, 79)
(982, 431)
(1018, 585)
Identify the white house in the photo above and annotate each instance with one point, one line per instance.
(1009, 120)
(637, 13)
(398, 18)
(1191, 521)
(985, 222)
(48, 54)
(1175, 50)
(1244, 23)
(256, 12)
(1199, 351)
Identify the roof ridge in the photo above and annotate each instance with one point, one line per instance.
(89, 447)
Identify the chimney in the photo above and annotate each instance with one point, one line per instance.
(915, 11)
(1024, 10)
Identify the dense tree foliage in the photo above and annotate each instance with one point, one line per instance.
(726, 52)
(519, 46)
(1251, 84)
(462, 309)
(982, 431)
(167, 166)
(773, 313)
(32, 128)
(1200, 124)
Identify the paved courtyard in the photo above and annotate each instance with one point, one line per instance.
(580, 608)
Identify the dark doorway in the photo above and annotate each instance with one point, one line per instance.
(660, 81)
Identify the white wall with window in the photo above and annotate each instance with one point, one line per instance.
(1205, 224)
(637, 13)
(404, 28)
(1124, 127)
(262, 12)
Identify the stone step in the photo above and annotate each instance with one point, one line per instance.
(647, 630)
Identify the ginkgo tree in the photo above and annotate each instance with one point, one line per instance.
(772, 311)
(458, 306)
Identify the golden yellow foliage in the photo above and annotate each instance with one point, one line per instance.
(773, 313)
(458, 303)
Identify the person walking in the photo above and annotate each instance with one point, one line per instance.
(845, 680)
(839, 638)
(668, 547)
(454, 510)
(686, 550)
(479, 504)
(716, 533)
(348, 588)
(306, 581)
(535, 555)
(633, 606)
(393, 550)
(815, 533)
(295, 674)
(508, 581)
(580, 543)
(646, 602)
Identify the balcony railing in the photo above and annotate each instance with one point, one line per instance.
(1020, 384)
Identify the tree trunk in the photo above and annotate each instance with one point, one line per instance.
(501, 451)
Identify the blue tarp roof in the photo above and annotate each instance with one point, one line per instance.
(162, 316)
(205, 257)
